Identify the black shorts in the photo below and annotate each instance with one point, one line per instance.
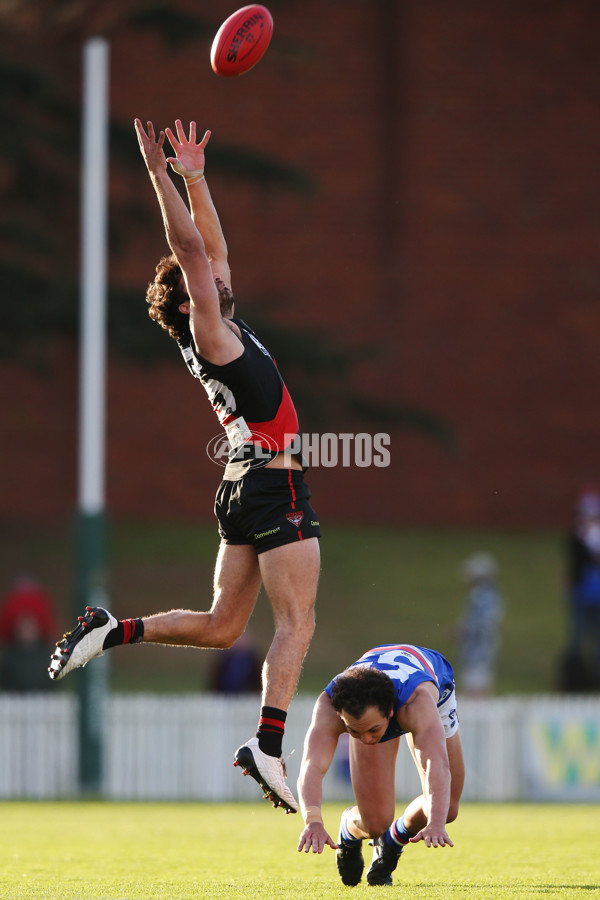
(266, 508)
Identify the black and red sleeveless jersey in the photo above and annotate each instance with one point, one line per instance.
(250, 399)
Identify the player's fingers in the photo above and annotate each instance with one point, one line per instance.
(192, 132)
(141, 134)
(205, 139)
(172, 139)
(180, 131)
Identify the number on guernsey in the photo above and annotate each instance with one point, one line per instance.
(404, 668)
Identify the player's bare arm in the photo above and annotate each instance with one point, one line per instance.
(213, 338)
(189, 162)
(419, 716)
(319, 749)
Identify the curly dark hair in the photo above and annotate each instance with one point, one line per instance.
(360, 687)
(165, 294)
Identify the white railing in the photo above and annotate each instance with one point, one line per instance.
(181, 747)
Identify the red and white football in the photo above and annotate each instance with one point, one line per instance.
(241, 40)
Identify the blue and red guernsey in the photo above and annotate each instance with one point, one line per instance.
(251, 401)
(407, 666)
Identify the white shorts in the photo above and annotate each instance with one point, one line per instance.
(447, 712)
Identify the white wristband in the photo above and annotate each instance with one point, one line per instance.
(188, 174)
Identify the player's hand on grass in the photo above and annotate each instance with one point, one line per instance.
(151, 147)
(432, 837)
(189, 155)
(314, 837)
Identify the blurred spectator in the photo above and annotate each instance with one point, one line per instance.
(581, 665)
(478, 631)
(27, 628)
(238, 669)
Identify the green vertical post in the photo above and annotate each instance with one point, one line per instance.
(91, 527)
(91, 590)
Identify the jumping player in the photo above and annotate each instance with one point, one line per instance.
(391, 690)
(269, 531)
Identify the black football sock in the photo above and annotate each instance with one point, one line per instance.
(271, 727)
(128, 631)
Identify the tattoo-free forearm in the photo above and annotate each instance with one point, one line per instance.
(437, 788)
(206, 219)
(182, 235)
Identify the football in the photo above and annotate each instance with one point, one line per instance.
(241, 40)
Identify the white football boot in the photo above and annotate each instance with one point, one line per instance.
(83, 643)
(269, 771)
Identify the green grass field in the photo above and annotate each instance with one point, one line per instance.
(108, 851)
(376, 585)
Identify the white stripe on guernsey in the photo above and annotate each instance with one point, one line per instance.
(258, 343)
(227, 406)
(391, 651)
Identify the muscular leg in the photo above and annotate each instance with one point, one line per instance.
(416, 813)
(290, 575)
(236, 587)
(373, 771)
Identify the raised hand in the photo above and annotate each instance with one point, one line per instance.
(151, 147)
(189, 155)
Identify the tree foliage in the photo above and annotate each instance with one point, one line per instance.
(39, 216)
(40, 50)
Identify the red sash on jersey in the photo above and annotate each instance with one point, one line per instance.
(408, 649)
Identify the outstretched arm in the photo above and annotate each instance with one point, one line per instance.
(189, 161)
(212, 337)
(319, 748)
(183, 237)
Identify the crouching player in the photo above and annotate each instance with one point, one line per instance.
(391, 690)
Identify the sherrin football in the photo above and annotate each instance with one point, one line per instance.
(241, 40)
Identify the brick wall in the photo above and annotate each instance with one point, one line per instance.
(455, 228)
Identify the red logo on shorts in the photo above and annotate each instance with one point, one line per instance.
(295, 518)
